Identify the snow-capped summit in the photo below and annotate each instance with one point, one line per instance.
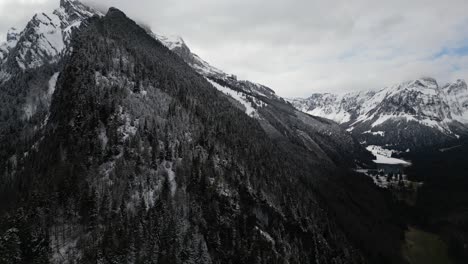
(411, 114)
(45, 37)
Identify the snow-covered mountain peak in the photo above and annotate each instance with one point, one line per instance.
(45, 36)
(395, 114)
(41, 40)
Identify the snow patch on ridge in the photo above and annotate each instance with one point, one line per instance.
(377, 133)
(265, 235)
(205, 68)
(53, 83)
(171, 177)
(340, 116)
(242, 98)
(384, 156)
(171, 42)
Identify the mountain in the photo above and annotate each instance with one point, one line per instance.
(45, 37)
(410, 116)
(122, 146)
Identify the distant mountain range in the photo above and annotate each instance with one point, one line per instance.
(410, 116)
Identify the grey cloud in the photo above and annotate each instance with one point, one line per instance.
(298, 47)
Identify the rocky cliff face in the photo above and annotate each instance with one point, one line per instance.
(408, 116)
(122, 151)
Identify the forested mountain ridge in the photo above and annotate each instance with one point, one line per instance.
(140, 159)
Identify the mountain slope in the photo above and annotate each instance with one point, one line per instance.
(140, 158)
(425, 114)
(275, 115)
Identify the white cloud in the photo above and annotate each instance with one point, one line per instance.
(298, 47)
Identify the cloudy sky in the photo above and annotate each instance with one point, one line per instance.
(298, 47)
